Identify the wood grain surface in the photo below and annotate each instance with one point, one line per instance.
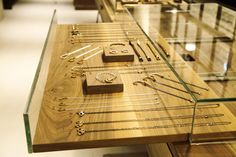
(137, 105)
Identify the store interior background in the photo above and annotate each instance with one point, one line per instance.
(23, 31)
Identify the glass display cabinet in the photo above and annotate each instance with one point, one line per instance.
(128, 82)
(203, 35)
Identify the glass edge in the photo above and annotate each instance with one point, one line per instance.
(39, 66)
(222, 100)
(32, 89)
(27, 133)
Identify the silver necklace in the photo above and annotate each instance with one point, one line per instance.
(97, 101)
(82, 113)
(81, 131)
(160, 90)
(139, 70)
(163, 77)
(60, 109)
(108, 96)
(205, 116)
(155, 81)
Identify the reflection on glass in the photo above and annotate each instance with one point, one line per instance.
(201, 33)
(190, 47)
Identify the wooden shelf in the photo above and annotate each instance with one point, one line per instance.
(57, 118)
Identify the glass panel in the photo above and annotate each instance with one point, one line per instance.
(217, 126)
(34, 102)
(202, 36)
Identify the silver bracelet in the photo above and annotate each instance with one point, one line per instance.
(106, 77)
(113, 51)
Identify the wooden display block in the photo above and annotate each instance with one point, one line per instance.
(118, 54)
(94, 86)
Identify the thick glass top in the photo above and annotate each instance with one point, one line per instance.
(203, 35)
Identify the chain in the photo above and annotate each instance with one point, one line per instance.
(126, 65)
(81, 131)
(138, 70)
(163, 77)
(82, 113)
(155, 81)
(81, 123)
(107, 97)
(160, 90)
(99, 107)
(108, 102)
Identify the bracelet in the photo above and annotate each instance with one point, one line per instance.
(113, 51)
(106, 77)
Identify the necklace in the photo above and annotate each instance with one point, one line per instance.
(108, 96)
(142, 71)
(108, 102)
(81, 131)
(155, 81)
(160, 90)
(125, 70)
(205, 116)
(82, 113)
(163, 77)
(60, 109)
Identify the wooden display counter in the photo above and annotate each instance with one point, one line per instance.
(152, 107)
(149, 109)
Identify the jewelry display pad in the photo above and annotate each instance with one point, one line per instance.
(94, 86)
(118, 54)
(145, 112)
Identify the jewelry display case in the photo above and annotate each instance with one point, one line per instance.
(204, 36)
(80, 99)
